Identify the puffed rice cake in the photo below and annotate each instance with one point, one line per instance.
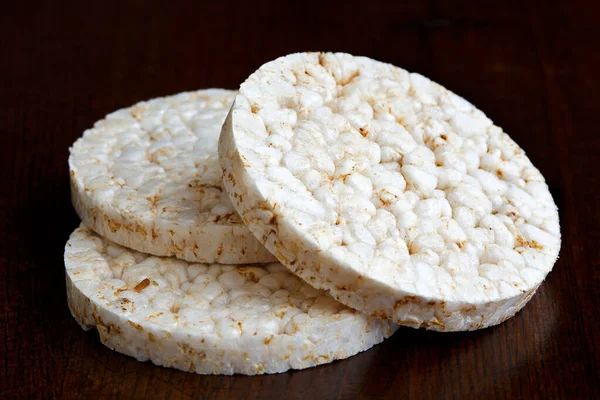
(209, 318)
(147, 177)
(398, 197)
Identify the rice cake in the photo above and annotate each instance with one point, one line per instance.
(397, 196)
(209, 319)
(147, 177)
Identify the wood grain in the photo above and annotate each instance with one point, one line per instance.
(531, 66)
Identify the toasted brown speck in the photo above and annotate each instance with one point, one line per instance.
(142, 285)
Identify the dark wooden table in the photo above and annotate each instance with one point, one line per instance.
(533, 67)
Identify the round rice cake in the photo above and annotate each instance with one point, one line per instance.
(209, 319)
(394, 194)
(148, 177)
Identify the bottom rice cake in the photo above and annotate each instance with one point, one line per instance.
(209, 318)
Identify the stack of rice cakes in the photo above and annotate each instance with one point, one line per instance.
(377, 187)
(147, 180)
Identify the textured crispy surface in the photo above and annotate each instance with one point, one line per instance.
(394, 194)
(209, 319)
(147, 177)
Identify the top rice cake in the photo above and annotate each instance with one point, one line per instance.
(148, 178)
(397, 196)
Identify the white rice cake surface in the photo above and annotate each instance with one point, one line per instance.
(397, 196)
(209, 319)
(148, 177)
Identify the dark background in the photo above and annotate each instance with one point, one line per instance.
(533, 67)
